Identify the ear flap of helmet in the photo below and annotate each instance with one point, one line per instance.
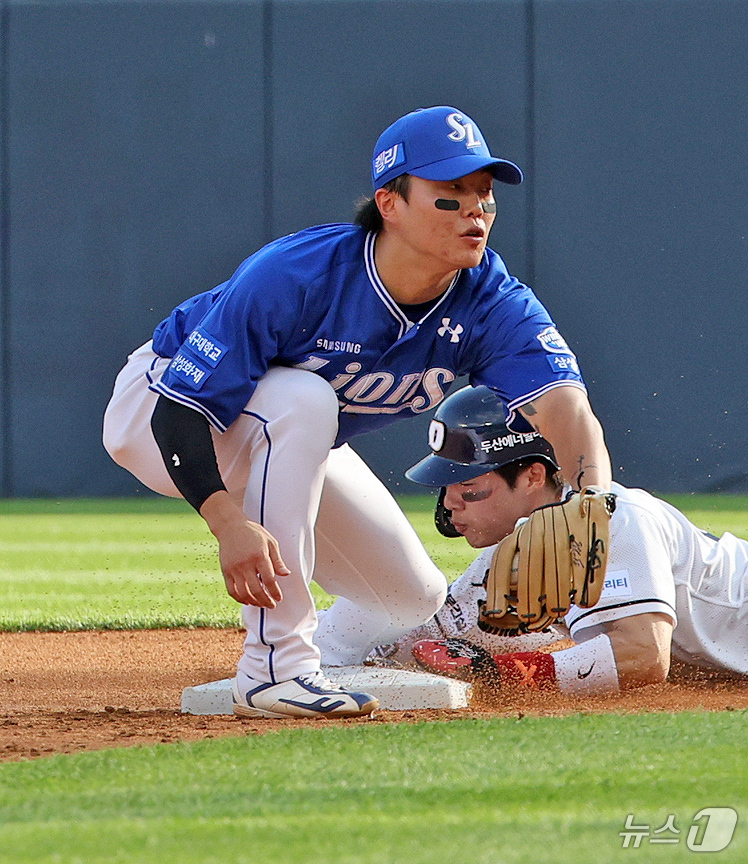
(443, 517)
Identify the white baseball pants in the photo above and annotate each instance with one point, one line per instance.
(275, 459)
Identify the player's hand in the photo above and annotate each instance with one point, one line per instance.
(251, 562)
(248, 552)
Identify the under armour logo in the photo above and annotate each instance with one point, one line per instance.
(454, 332)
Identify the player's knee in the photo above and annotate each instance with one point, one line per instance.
(122, 449)
(302, 399)
(114, 444)
(311, 393)
(421, 606)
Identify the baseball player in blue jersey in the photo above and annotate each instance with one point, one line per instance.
(245, 398)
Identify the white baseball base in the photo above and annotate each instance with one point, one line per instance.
(396, 689)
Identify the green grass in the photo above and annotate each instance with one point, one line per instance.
(534, 790)
(78, 564)
(128, 564)
(715, 513)
(543, 789)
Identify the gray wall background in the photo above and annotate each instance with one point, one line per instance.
(146, 148)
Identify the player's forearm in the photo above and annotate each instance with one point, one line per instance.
(641, 644)
(586, 669)
(617, 655)
(564, 417)
(625, 654)
(583, 456)
(221, 514)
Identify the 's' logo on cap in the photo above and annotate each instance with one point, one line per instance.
(462, 131)
(389, 158)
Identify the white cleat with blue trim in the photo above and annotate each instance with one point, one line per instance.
(310, 695)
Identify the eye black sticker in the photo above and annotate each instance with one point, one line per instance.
(452, 204)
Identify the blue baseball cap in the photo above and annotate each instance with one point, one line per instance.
(439, 143)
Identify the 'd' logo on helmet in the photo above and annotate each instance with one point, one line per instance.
(437, 431)
(553, 341)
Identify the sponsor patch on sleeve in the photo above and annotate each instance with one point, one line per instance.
(553, 341)
(563, 363)
(193, 374)
(206, 347)
(617, 584)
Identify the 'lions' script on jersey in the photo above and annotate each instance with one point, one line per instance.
(314, 300)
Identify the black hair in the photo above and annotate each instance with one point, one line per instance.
(368, 216)
(511, 471)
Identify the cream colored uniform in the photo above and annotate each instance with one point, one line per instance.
(659, 562)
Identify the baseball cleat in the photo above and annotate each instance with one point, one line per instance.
(455, 658)
(310, 695)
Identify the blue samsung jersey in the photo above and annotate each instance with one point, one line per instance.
(314, 300)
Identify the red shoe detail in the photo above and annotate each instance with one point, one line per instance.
(455, 658)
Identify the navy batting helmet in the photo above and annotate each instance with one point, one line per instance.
(468, 437)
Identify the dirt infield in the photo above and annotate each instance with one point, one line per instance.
(70, 692)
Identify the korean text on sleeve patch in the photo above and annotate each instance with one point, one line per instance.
(206, 347)
(193, 374)
(617, 584)
(563, 363)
